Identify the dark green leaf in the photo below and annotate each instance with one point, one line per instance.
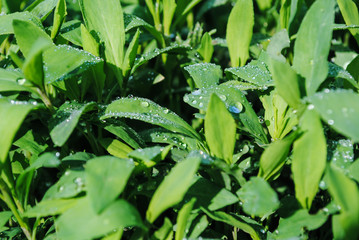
(125, 133)
(209, 195)
(150, 156)
(130, 55)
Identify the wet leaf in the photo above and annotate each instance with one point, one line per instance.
(6, 26)
(312, 45)
(145, 110)
(107, 177)
(66, 119)
(204, 74)
(258, 198)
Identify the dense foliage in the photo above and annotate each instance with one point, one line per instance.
(188, 119)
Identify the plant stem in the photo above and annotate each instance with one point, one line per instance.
(46, 100)
(11, 204)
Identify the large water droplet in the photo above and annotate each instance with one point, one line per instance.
(330, 121)
(310, 107)
(145, 104)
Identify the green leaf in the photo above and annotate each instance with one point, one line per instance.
(42, 8)
(165, 232)
(66, 119)
(107, 177)
(4, 218)
(130, 55)
(125, 133)
(132, 21)
(73, 62)
(264, 4)
(150, 156)
(277, 43)
(205, 74)
(119, 214)
(33, 66)
(278, 117)
(206, 48)
(354, 170)
(182, 218)
(242, 223)
(350, 13)
(309, 158)
(27, 34)
(338, 72)
(105, 17)
(286, 81)
(174, 49)
(50, 207)
(169, 8)
(220, 129)
(175, 184)
(340, 109)
(274, 156)
(341, 154)
(236, 103)
(255, 72)
(148, 111)
(293, 226)
(209, 195)
(12, 80)
(312, 45)
(239, 36)
(115, 148)
(13, 114)
(345, 193)
(258, 198)
(6, 21)
(71, 31)
(59, 17)
(352, 68)
(71, 183)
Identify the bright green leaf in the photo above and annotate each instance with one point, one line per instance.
(258, 198)
(59, 17)
(119, 214)
(277, 43)
(6, 21)
(205, 74)
(66, 119)
(50, 207)
(312, 45)
(239, 36)
(175, 184)
(148, 111)
(182, 219)
(309, 158)
(220, 129)
(115, 147)
(350, 13)
(12, 116)
(106, 176)
(206, 47)
(340, 109)
(130, 55)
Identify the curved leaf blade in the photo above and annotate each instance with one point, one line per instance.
(145, 110)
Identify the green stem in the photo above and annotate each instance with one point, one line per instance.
(46, 100)
(11, 204)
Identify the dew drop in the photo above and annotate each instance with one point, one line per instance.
(165, 111)
(200, 105)
(330, 121)
(145, 104)
(197, 92)
(223, 97)
(310, 107)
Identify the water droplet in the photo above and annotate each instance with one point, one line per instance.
(200, 105)
(197, 92)
(165, 111)
(61, 188)
(330, 121)
(223, 97)
(145, 104)
(57, 154)
(310, 107)
(261, 119)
